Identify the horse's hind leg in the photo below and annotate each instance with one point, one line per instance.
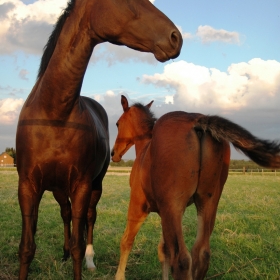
(91, 214)
(213, 175)
(65, 211)
(80, 200)
(207, 208)
(201, 249)
(174, 247)
(91, 218)
(162, 258)
(29, 203)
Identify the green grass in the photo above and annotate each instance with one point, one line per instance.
(245, 243)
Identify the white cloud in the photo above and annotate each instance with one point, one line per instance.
(9, 110)
(113, 54)
(252, 85)
(23, 74)
(169, 99)
(208, 34)
(27, 27)
(185, 35)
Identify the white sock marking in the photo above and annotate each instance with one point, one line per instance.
(89, 257)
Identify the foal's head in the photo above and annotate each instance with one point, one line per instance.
(135, 124)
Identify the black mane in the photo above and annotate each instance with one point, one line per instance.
(50, 46)
(150, 118)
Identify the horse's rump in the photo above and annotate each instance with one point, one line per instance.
(184, 155)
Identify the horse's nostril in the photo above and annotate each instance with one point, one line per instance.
(112, 153)
(176, 41)
(174, 38)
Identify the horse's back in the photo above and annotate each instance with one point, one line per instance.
(96, 110)
(100, 120)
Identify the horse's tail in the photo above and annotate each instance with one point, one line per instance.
(263, 152)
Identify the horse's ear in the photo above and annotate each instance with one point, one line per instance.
(150, 104)
(124, 103)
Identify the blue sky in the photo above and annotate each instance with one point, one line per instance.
(229, 64)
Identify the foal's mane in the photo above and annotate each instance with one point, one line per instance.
(50, 46)
(149, 119)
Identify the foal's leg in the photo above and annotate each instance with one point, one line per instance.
(135, 218)
(174, 247)
(206, 215)
(201, 250)
(214, 170)
(91, 218)
(29, 203)
(162, 258)
(65, 211)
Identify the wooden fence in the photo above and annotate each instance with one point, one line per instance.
(126, 171)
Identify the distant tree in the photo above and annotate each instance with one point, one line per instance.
(122, 163)
(239, 164)
(129, 163)
(12, 153)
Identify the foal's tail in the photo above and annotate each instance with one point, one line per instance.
(263, 152)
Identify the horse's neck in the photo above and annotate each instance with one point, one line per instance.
(60, 85)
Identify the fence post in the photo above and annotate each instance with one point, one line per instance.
(244, 170)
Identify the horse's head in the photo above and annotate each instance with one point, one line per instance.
(137, 24)
(135, 124)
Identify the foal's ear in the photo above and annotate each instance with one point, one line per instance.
(124, 103)
(150, 104)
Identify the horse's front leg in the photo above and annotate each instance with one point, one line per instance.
(80, 200)
(91, 218)
(135, 218)
(65, 211)
(29, 203)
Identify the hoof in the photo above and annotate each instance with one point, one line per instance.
(92, 269)
(65, 257)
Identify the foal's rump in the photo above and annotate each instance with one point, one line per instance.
(174, 159)
(187, 155)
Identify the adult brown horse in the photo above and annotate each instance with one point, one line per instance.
(180, 159)
(62, 138)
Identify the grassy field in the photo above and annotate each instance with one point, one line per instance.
(245, 243)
